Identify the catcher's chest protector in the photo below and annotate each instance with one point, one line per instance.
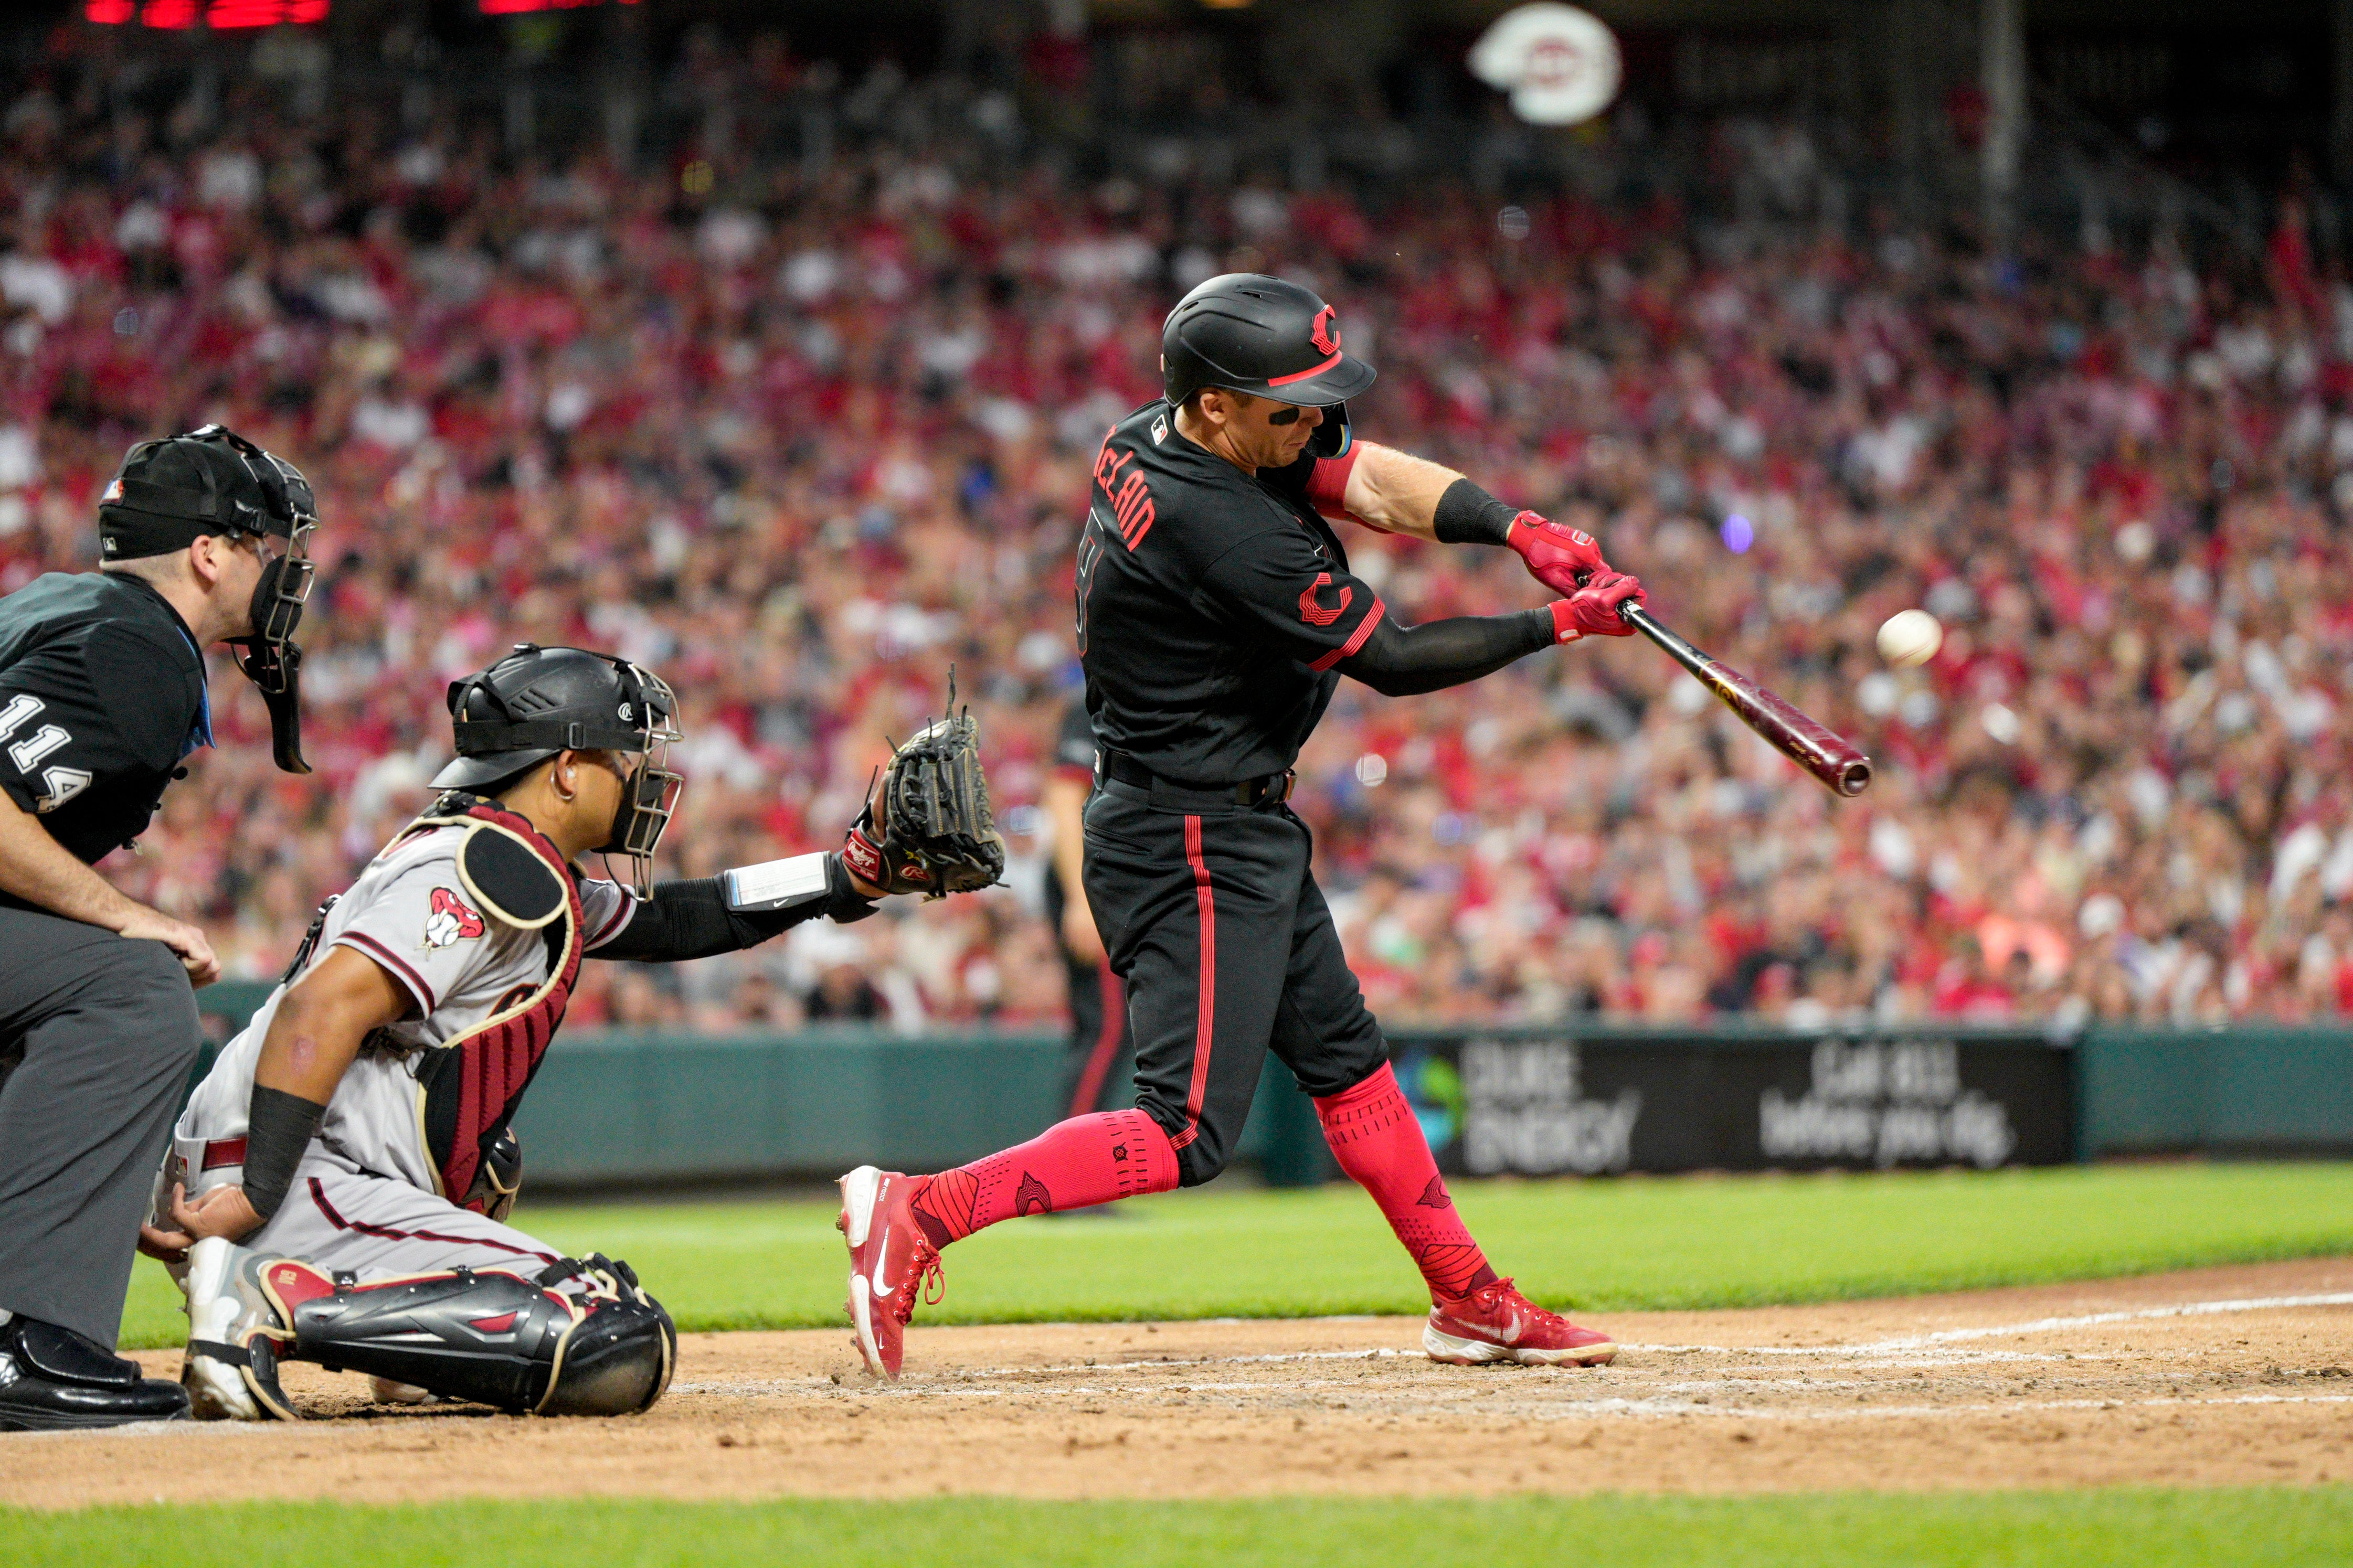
(469, 1085)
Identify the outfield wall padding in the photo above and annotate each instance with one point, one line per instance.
(619, 1106)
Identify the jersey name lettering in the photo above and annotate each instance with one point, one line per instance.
(1131, 502)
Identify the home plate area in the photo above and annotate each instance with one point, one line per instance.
(2219, 1376)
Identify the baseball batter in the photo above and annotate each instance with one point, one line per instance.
(338, 1185)
(1216, 616)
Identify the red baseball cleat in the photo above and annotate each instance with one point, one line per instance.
(890, 1262)
(1495, 1322)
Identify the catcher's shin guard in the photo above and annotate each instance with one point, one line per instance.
(607, 1349)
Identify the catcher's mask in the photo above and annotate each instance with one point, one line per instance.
(538, 702)
(170, 492)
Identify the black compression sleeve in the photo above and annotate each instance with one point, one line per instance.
(1469, 515)
(277, 1127)
(690, 920)
(1402, 661)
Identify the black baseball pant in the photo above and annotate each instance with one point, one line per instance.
(1101, 1063)
(1211, 916)
(96, 1035)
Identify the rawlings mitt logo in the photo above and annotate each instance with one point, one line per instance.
(451, 921)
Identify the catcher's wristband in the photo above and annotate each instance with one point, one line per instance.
(775, 884)
(278, 1128)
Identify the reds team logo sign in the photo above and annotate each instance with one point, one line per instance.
(1559, 64)
(451, 921)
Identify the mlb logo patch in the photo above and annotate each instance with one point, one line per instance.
(113, 491)
(1160, 430)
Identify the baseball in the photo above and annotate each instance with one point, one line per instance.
(1910, 637)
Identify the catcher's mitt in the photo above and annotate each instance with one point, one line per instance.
(928, 830)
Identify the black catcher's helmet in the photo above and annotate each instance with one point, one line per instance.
(538, 702)
(1263, 336)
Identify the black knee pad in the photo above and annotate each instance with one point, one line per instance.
(608, 1349)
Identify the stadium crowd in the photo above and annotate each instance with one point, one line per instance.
(800, 432)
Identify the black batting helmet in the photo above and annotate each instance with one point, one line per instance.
(1262, 335)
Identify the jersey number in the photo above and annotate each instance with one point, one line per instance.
(1091, 549)
(64, 783)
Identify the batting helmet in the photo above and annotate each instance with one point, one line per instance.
(1261, 335)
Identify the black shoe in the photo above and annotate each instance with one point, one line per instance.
(53, 1378)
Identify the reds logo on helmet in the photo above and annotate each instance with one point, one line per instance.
(1326, 334)
(451, 921)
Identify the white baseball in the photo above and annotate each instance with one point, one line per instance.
(1910, 637)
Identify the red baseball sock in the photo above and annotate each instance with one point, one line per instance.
(1073, 1165)
(1378, 1140)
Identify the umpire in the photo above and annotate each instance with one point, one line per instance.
(102, 696)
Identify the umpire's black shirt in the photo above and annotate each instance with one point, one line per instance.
(101, 695)
(1212, 606)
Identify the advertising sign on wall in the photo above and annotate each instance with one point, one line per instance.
(1538, 1104)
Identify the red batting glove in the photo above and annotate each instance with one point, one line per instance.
(1560, 557)
(1592, 610)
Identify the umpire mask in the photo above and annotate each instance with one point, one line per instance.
(213, 480)
(538, 702)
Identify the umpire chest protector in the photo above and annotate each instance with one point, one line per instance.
(469, 1085)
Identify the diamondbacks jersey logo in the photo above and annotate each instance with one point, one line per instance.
(452, 920)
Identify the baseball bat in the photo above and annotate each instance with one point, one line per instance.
(1831, 758)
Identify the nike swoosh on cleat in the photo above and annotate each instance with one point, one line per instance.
(882, 1254)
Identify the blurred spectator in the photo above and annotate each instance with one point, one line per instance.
(801, 430)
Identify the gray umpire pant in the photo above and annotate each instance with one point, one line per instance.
(97, 1037)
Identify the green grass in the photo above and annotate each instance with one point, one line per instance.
(2142, 1529)
(1599, 1245)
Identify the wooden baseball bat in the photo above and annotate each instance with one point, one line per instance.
(1829, 757)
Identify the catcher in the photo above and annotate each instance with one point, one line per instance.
(338, 1186)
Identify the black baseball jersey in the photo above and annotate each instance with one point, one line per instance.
(101, 695)
(1212, 606)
